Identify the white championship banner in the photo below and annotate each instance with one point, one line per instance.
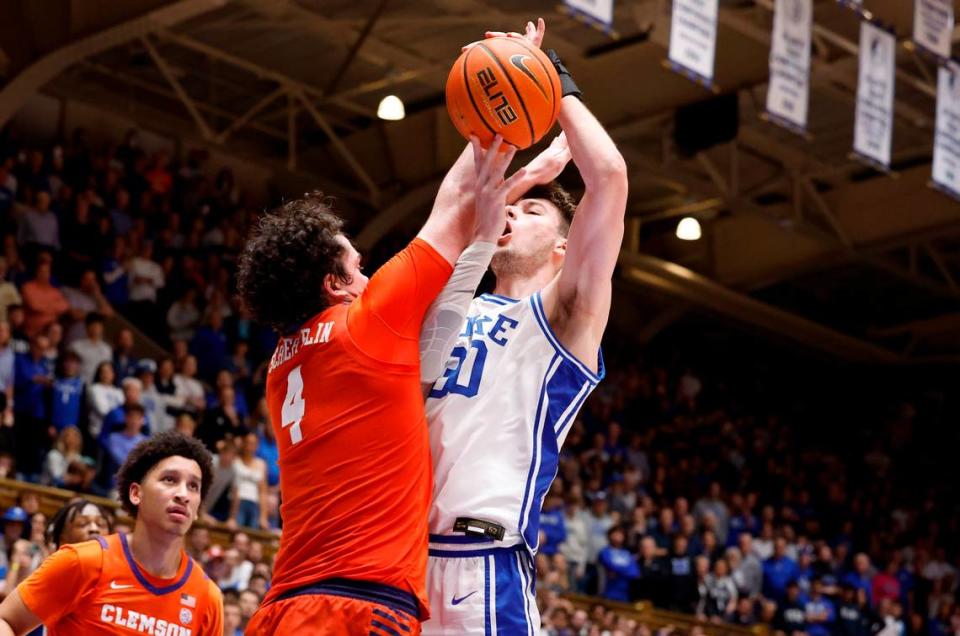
(788, 93)
(693, 38)
(933, 26)
(946, 140)
(873, 127)
(597, 10)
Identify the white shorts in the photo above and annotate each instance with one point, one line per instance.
(480, 586)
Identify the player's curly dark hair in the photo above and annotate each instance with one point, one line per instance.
(286, 258)
(557, 195)
(154, 450)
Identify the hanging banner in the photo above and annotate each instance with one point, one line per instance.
(946, 140)
(873, 130)
(598, 10)
(693, 38)
(789, 89)
(856, 5)
(933, 26)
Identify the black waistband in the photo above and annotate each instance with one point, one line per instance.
(387, 595)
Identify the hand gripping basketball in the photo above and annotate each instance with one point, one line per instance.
(504, 85)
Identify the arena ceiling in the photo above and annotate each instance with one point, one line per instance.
(799, 238)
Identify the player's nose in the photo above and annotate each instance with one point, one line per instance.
(512, 212)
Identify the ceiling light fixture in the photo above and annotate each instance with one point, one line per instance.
(391, 108)
(688, 229)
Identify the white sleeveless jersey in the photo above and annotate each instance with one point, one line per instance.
(499, 415)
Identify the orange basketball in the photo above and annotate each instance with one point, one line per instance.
(503, 85)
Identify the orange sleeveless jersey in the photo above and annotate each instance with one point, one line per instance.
(96, 587)
(346, 405)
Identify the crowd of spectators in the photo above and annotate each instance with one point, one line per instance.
(749, 517)
(664, 495)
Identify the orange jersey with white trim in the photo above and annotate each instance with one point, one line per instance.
(96, 587)
(346, 405)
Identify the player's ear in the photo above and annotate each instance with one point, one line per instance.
(135, 494)
(333, 287)
(560, 246)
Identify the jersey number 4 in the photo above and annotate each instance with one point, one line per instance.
(467, 365)
(293, 406)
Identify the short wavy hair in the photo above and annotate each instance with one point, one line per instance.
(154, 450)
(557, 195)
(286, 259)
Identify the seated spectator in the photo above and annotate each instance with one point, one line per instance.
(39, 228)
(154, 402)
(778, 571)
(232, 619)
(8, 291)
(821, 613)
(221, 422)
(791, 616)
(120, 444)
(17, 317)
(43, 303)
(745, 615)
(189, 389)
(619, 567)
(722, 594)
(124, 362)
(183, 316)
(67, 448)
(93, 349)
(132, 398)
(862, 575)
(249, 602)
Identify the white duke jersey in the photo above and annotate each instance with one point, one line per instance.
(499, 415)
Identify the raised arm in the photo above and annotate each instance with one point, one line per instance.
(453, 221)
(578, 302)
(450, 224)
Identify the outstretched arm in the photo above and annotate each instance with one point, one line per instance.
(445, 317)
(453, 221)
(578, 302)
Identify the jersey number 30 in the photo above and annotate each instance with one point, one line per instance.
(467, 365)
(293, 406)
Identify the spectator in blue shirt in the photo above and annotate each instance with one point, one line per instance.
(778, 571)
(65, 407)
(820, 612)
(32, 380)
(117, 418)
(553, 528)
(861, 577)
(209, 345)
(619, 567)
(120, 444)
(267, 449)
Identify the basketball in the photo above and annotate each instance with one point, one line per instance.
(503, 85)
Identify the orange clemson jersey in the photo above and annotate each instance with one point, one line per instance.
(96, 587)
(347, 408)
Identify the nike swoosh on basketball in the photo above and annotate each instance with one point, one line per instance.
(457, 601)
(518, 63)
(115, 586)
